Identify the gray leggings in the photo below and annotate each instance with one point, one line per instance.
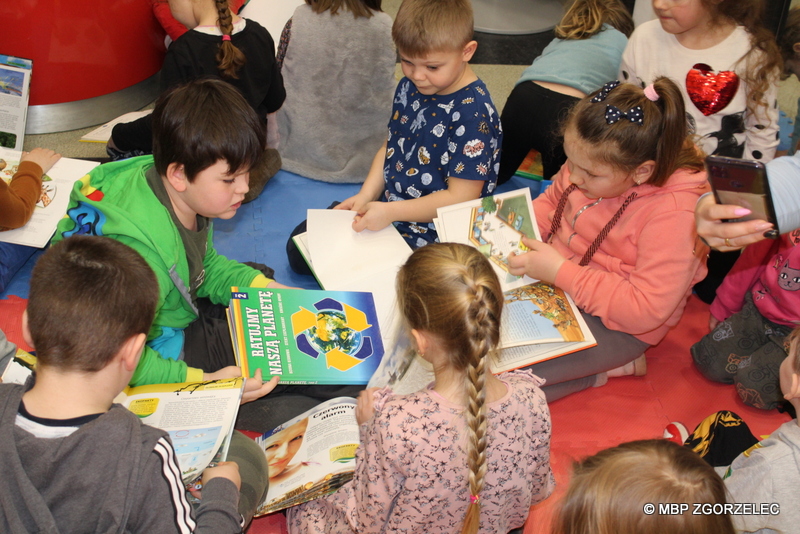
(577, 371)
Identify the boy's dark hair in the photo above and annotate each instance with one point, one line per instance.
(790, 34)
(202, 122)
(89, 295)
(422, 27)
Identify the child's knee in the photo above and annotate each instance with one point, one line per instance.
(713, 363)
(757, 380)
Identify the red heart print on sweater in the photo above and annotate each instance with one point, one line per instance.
(711, 92)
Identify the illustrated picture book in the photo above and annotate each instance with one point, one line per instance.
(311, 455)
(15, 82)
(305, 336)
(52, 204)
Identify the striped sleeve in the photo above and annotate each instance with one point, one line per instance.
(184, 521)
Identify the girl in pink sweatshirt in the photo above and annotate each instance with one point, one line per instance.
(618, 227)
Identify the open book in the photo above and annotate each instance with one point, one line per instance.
(52, 205)
(305, 336)
(102, 133)
(15, 82)
(311, 455)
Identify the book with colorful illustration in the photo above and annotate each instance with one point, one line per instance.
(15, 83)
(311, 455)
(305, 336)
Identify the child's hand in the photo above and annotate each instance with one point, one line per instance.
(43, 157)
(229, 470)
(255, 388)
(355, 203)
(374, 216)
(542, 262)
(712, 323)
(365, 405)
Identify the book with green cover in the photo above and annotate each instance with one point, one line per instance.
(305, 336)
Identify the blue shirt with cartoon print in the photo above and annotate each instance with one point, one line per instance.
(432, 137)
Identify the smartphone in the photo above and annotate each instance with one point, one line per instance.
(743, 183)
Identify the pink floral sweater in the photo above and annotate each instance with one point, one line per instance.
(411, 468)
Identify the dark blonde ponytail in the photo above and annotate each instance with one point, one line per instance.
(451, 291)
(229, 58)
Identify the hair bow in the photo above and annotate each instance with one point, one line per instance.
(607, 88)
(613, 114)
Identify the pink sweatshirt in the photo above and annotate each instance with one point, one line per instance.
(641, 276)
(771, 271)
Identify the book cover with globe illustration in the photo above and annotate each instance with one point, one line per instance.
(305, 336)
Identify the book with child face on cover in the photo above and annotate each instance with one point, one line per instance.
(305, 336)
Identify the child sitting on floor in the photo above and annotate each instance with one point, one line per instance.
(618, 227)
(584, 55)
(223, 45)
(754, 311)
(444, 131)
(162, 206)
(18, 199)
(766, 473)
(334, 116)
(470, 453)
(71, 460)
(620, 490)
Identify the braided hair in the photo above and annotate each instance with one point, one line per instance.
(229, 58)
(451, 291)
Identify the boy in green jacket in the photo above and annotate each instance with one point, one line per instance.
(206, 138)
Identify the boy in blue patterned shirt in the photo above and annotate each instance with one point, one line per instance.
(444, 133)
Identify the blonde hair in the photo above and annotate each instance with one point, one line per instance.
(585, 18)
(359, 8)
(662, 136)
(608, 492)
(229, 58)
(451, 291)
(425, 26)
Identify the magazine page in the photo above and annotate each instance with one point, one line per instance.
(198, 417)
(305, 336)
(311, 455)
(52, 205)
(19, 368)
(15, 82)
(495, 226)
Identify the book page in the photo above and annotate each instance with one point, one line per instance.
(310, 455)
(198, 417)
(495, 226)
(15, 80)
(342, 256)
(52, 205)
(103, 133)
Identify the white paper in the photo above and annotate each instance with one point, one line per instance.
(103, 133)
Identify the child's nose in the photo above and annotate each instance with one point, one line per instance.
(243, 185)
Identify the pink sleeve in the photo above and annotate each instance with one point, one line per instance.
(740, 279)
(663, 272)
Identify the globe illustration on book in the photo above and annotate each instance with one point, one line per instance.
(332, 332)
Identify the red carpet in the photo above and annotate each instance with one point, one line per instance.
(625, 409)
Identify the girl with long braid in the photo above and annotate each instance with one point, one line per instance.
(470, 453)
(618, 229)
(223, 45)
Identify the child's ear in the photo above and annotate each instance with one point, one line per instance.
(794, 389)
(131, 351)
(26, 331)
(176, 176)
(469, 51)
(420, 340)
(643, 172)
(796, 48)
